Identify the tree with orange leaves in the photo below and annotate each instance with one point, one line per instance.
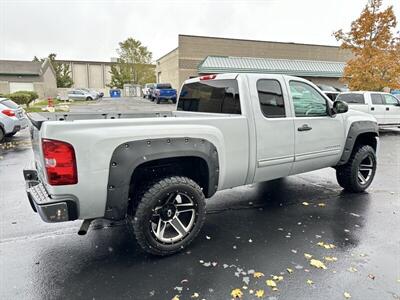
(376, 49)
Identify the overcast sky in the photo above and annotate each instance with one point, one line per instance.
(91, 29)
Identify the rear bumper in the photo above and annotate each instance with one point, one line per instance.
(50, 208)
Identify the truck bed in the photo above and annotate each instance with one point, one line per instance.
(37, 119)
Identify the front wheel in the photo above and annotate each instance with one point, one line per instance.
(89, 99)
(357, 174)
(169, 215)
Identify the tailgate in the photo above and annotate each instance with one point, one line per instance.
(167, 92)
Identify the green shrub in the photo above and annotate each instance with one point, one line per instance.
(23, 97)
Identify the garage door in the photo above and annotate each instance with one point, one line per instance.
(20, 86)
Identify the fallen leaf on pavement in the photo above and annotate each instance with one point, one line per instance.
(277, 278)
(325, 245)
(308, 256)
(260, 293)
(271, 283)
(321, 204)
(347, 295)
(305, 203)
(371, 276)
(258, 274)
(236, 293)
(352, 269)
(195, 295)
(176, 297)
(289, 270)
(330, 258)
(310, 282)
(318, 264)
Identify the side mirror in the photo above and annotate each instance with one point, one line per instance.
(340, 107)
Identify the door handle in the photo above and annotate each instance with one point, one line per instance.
(387, 108)
(305, 127)
(372, 108)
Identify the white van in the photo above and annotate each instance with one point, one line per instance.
(383, 106)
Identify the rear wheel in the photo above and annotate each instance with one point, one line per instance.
(169, 215)
(89, 98)
(357, 174)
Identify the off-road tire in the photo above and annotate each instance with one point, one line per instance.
(149, 198)
(347, 175)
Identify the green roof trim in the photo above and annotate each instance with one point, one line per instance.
(311, 68)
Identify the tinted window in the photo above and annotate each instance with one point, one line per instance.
(352, 98)
(9, 103)
(390, 100)
(163, 86)
(271, 98)
(211, 96)
(307, 101)
(376, 99)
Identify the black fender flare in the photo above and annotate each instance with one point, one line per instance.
(130, 155)
(356, 128)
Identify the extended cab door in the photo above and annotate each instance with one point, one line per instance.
(319, 137)
(274, 127)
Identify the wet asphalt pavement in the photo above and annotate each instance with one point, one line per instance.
(258, 228)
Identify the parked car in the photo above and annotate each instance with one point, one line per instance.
(95, 94)
(81, 95)
(164, 91)
(147, 90)
(156, 169)
(383, 106)
(12, 118)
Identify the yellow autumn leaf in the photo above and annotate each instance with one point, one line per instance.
(321, 204)
(318, 264)
(347, 295)
(277, 278)
(236, 293)
(310, 282)
(308, 256)
(260, 293)
(275, 289)
(305, 203)
(330, 258)
(258, 274)
(325, 245)
(352, 269)
(176, 297)
(195, 295)
(289, 270)
(271, 283)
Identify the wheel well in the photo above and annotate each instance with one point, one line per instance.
(367, 138)
(193, 167)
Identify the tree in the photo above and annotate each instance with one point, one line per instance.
(133, 65)
(63, 73)
(376, 49)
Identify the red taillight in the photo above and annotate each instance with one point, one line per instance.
(208, 77)
(60, 163)
(8, 112)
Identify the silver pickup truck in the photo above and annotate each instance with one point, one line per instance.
(156, 169)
